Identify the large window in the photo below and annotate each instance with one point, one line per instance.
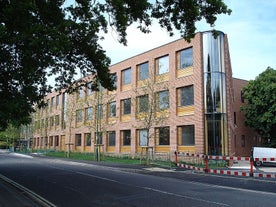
(89, 89)
(126, 76)
(56, 141)
(163, 134)
(52, 121)
(143, 71)
(78, 139)
(114, 79)
(143, 137)
(89, 114)
(52, 102)
(112, 109)
(80, 93)
(143, 103)
(57, 120)
(185, 58)
(51, 141)
(185, 96)
(187, 135)
(99, 138)
(58, 100)
(126, 140)
(79, 115)
(111, 138)
(87, 137)
(126, 106)
(163, 100)
(100, 111)
(162, 65)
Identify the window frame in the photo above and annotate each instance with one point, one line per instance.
(126, 76)
(99, 114)
(163, 102)
(184, 138)
(88, 116)
(159, 68)
(109, 138)
(165, 142)
(78, 139)
(80, 93)
(184, 55)
(89, 90)
(144, 136)
(114, 78)
(112, 109)
(88, 142)
(126, 137)
(124, 106)
(57, 120)
(143, 107)
(79, 115)
(182, 96)
(143, 71)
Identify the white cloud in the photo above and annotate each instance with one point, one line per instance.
(137, 42)
(250, 29)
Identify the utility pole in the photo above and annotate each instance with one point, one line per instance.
(97, 123)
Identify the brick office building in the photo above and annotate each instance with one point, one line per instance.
(196, 103)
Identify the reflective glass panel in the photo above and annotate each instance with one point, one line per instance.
(186, 58)
(163, 65)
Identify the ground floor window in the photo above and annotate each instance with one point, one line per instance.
(125, 136)
(51, 141)
(186, 135)
(87, 137)
(163, 135)
(98, 138)
(143, 137)
(56, 140)
(111, 138)
(78, 139)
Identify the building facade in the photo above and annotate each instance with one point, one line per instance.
(178, 97)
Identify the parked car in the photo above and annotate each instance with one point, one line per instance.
(263, 152)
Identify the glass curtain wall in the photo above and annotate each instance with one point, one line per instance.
(214, 94)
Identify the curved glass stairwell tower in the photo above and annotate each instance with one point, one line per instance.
(214, 94)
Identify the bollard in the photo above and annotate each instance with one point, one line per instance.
(251, 166)
(206, 164)
(176, 157)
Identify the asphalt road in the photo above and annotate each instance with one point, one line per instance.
(69, 183)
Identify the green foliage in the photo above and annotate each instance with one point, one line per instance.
(260, 110)
(53, 38)
(9, 136)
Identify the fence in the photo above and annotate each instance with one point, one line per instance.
(201, 163)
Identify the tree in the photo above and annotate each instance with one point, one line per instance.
(9, 137)
(100, 113)
(71, 116)
(41, 38)
(152, 104)
(260, 108)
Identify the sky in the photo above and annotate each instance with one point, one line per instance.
(251, 32)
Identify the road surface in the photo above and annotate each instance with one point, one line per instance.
(69, 183)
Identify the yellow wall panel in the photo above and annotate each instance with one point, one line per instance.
(185, 110)
(125, 149)
(185, 72)
(125, 118)
(162, 148)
